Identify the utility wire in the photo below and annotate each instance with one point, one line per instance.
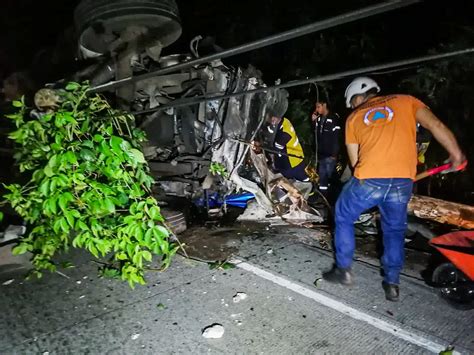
(267, 41)
(322, 78)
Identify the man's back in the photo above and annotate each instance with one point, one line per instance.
(385, 129)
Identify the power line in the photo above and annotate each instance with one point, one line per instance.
(375, 68)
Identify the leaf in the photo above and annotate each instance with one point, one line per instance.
(72, 86)
(71, 157)
(116, 145)
(160, 306)
(69, 218)
(38, 175)
(53, 161)
(67, 265)
(88, 144)
(75, 213)
(108, 205)
(58, 138)
(64, 199)
(121, 256)
(48, 171)
(21, 248)
(104, 148)
(223, 265)
(92, 248)
(98, 138)
(122, 199)
(137, 156)
(81, 225)
(227, 266)
(64, 225)
(448, 351)
(160, 232)
(44, 188)
(138, 233)
(57, 227)
(146, 255)
(154, 213)
(51, 205)
(56, 147)
(85, 127)
(110, 272)
(1, 216)
(17, 103)
(87, 154)
(148, 236)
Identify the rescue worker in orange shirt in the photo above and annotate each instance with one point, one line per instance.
(381, 145)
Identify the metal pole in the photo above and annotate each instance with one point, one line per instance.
(198, 99)
(278, 38)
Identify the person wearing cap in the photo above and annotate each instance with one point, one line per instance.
(381, 145)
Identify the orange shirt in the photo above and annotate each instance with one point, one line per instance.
(385, 129)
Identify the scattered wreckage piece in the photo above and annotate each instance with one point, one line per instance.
(213, 331)
(288, 199)
(442, 211)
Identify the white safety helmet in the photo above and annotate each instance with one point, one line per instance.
(359, 86)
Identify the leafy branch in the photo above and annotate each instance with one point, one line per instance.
(89, 186)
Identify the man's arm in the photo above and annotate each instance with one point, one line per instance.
(442, 134)
(353, 153)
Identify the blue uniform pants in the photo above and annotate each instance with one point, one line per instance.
(326, 170)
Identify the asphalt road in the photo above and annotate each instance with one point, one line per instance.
(77, 312)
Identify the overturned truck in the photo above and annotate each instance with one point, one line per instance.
(124, 38)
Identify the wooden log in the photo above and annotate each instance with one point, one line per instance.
(442, 211)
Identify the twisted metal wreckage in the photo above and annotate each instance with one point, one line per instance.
(196, 110)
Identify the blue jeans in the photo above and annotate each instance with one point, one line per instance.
(326, 170)
(391, 196)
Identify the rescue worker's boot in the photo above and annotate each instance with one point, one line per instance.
(392, 292)
(340, 276)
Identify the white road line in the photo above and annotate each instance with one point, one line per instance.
(392, 329)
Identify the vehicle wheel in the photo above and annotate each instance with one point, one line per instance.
(176, 220)
(454, 286)
(97, 21)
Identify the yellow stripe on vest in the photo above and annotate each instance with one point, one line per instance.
(293, 146)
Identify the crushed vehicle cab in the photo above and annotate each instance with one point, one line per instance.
(125, 38)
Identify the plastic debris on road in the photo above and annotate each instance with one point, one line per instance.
(8, 282)
(239, 296)
(214, 331)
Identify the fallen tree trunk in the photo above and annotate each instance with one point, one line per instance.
(442, 211)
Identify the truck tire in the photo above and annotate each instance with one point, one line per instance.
(93, 18)
(176, 220)
(453, 286)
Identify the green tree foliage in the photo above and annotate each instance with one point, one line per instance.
(89, 186)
